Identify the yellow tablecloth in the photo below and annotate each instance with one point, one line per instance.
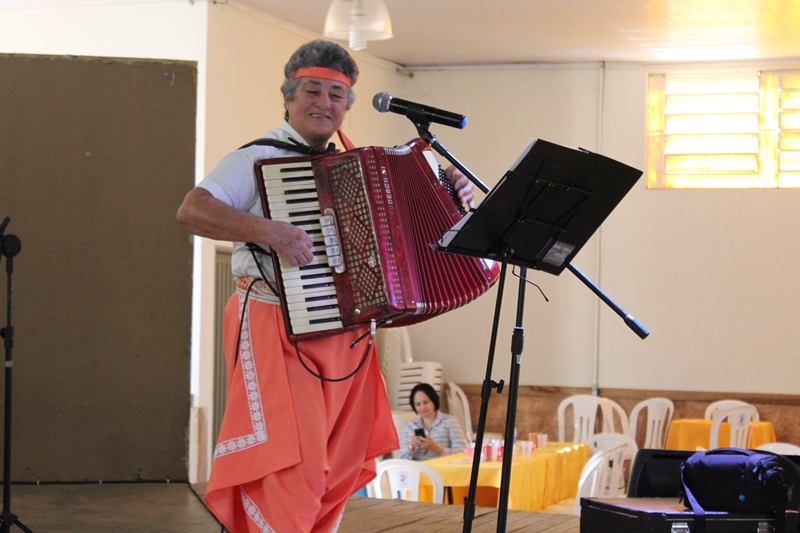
(549, 476)
(689, 433)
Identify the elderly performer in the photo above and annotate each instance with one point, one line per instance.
(292, 447)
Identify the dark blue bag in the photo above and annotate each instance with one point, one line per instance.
(741, 481)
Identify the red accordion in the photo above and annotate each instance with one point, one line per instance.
(373, 214)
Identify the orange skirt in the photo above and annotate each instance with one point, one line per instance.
(293, 448)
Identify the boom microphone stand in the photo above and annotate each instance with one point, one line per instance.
(10, 245)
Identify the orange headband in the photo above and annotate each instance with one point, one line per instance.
(322, 72)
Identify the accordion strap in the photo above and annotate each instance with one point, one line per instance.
(293, 146)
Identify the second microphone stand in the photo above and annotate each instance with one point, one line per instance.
(10, 245)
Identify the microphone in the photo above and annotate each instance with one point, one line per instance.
(383, 102)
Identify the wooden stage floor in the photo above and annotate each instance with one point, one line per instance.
(178, 508)
(370, 515)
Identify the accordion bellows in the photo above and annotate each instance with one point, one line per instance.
(373, 213)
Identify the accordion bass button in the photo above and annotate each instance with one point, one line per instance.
(336, 263)
(332, 250)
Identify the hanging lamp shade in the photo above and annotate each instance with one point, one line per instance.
(358, 21)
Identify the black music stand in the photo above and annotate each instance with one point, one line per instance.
(538, 216)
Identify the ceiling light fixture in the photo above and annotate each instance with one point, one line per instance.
(358, 21)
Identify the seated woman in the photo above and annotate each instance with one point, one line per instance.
(432, 434)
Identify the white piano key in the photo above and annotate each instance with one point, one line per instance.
(303, 315)
(299, 289)
(293, 217)
(302, 296)
(310, 283)
(291, 188)
(311, 204)
(307, 306)
(273, 172)
(317, 260)
(306, 274)
(314, 328)
(309, 321)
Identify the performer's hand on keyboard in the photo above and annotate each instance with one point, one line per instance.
(291, 243)
(462, 185)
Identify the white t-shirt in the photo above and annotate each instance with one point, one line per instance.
(233, 181)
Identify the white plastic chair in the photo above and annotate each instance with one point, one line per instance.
(602, 471)
(403, 476)
(394, 348)
(592, 480)
(607, 441)
(659, 415)
(615, 458)
(459, 408)
(721, 405)
(739, 418)
(781, 448)
(612, 411)
(592, 475)
(604, 441)
(584, 414)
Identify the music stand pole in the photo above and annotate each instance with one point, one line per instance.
(517, 340)
(10, 246)
(417, 116)
(486, 393)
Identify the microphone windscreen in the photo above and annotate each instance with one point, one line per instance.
(381, 102)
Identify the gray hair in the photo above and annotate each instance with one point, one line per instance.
(319, 53)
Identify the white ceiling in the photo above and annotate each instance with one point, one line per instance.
(480, 32)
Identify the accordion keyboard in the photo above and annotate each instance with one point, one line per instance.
(309, 290)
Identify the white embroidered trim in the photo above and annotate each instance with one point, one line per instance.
(338, 522)
(259, 291)
(254, 513)
(259, 435)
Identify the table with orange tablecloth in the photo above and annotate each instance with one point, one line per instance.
(549, 476)
(689, 433)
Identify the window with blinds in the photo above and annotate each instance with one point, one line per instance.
(723, 130)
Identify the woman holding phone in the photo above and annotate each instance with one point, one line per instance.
(432, 434)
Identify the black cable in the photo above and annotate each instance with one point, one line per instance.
(256, 248)
(526, 280)
(253, 248)
(241, 321)
(335, 380)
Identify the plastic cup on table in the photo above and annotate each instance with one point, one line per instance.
(470, 450)
(527, 448)
(541, 440)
